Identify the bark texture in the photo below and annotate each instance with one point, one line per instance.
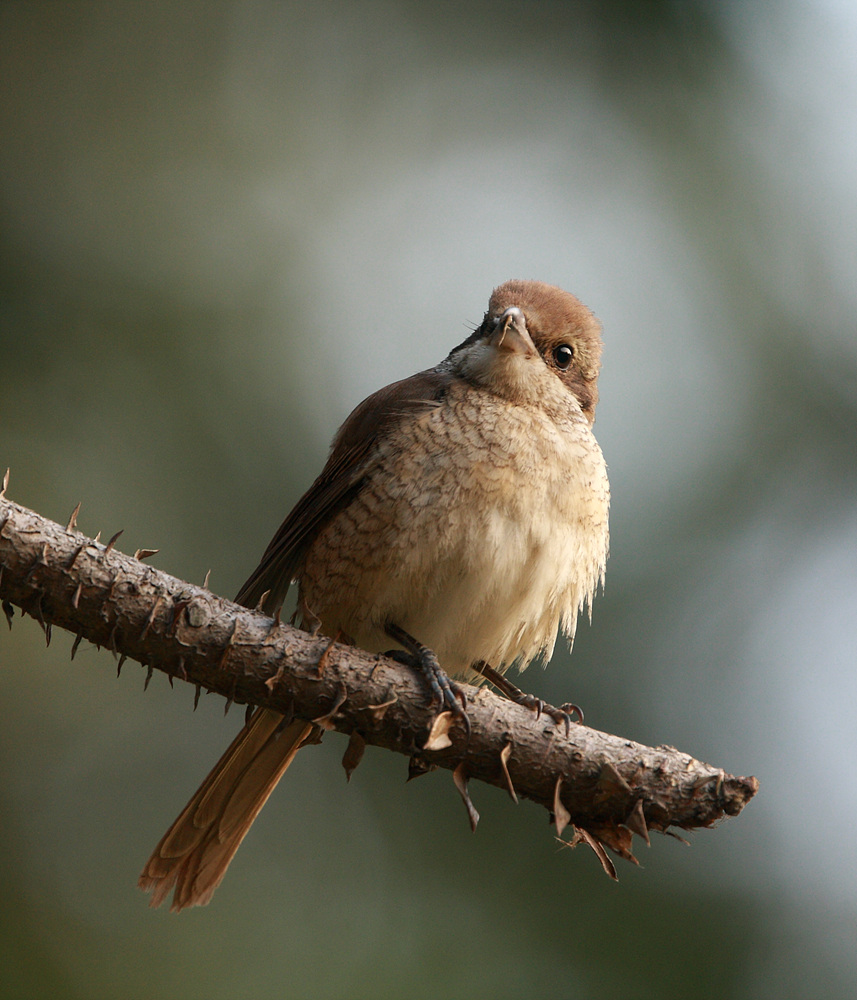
(605, 787)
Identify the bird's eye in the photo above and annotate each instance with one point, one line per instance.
(562, 356)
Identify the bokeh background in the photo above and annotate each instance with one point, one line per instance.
(223, 224)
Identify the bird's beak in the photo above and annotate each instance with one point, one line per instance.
(510, 334)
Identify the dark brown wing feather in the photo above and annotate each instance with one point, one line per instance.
(339, 482)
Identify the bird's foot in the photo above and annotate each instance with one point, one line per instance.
(449, 695)
(561, 715)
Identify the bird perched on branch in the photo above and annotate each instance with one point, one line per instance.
(461, 516)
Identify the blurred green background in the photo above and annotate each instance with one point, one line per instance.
(223, 224)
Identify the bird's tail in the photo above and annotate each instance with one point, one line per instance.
(195, 852)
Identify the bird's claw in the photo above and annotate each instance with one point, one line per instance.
(569, 709)
(446, 692)
(561, 715)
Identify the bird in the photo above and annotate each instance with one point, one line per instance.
(462, 515)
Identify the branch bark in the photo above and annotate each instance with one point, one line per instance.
(606, 787)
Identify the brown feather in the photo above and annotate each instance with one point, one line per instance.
(320, 542)
(339, 481)
(195, 852)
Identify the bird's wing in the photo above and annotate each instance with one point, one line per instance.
(339, 482)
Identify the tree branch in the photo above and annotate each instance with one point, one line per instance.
(606, 787)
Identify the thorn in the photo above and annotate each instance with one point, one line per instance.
(142, 554)
(310, 621)
(575, 840)
(205, 581)
(9, 612)
(182, 671)
(600, 853)
(325, 720)
(277, 622)
(178, 607)
(121, 663)
(418, 766)
(675, 836)
(47, 633)
(459, 776)
(353, 753)
(196, 696)
(97, 538)
(77, 640)
(5, 485)
(149, 671)
(72, 521)
(76, 598)
(561, 815)
(313, 737)
(111, 641)
(74, 556)
(40, 560)
(377, 712)
(438, 736)
(228, 705)
(505, 753)
(230, 642)
(112, 542)
(261, 602)
(610, 782)
(40, 618)
(324, 659)
(170, 679)
(272, 682)
(158, 602)
(636, 822)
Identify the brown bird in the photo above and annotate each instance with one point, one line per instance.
(462, 514)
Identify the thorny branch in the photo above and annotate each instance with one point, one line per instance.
(605, 787)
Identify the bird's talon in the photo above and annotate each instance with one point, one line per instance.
(445, 692)
(569, 708)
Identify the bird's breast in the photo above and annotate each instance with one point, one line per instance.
(481, 527)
